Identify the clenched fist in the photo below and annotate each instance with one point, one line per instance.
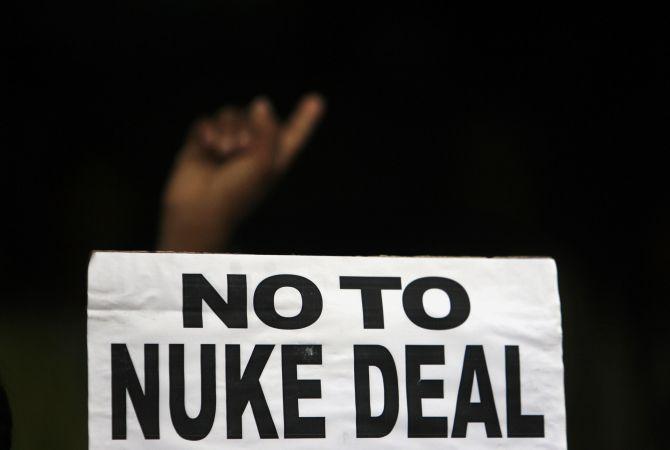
(227, 164)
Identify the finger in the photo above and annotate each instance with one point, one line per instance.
(299, 127)
(261, 113)
(205, 132)
(262, 129)
(200, 139)
(263, 124)
(243, 137)
(227, 124)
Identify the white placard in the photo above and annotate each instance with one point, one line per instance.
(211, 351)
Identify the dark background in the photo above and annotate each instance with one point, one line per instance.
(529, 131)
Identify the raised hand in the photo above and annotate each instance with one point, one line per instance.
(228, 162)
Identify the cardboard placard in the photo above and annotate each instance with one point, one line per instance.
(209, 351)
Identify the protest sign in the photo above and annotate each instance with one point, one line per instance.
(209, 351)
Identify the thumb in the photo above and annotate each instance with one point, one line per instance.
(299, 127)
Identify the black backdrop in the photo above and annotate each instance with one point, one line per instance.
(449, 132)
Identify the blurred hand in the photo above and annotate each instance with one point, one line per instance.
(226, 165)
